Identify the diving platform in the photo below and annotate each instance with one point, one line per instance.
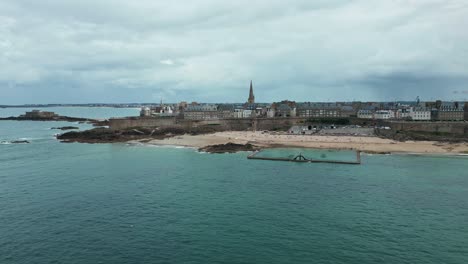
(303, 159)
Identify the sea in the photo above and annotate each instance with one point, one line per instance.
(121, 203)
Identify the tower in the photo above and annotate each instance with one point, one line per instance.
(251, 99)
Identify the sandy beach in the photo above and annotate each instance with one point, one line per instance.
(272, 139)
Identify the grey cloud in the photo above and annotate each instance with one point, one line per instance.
(209, 50)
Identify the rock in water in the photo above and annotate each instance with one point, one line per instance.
(66, 128)
(19, 142)
(229, 148)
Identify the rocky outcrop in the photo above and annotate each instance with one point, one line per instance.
(15, 142)
(107, 135)
(229, 148)
(53, 118)
(20, 142)
(66, 128)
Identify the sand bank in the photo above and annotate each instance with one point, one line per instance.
(365, 144)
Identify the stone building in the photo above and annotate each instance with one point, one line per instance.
(284, 110)
(420, 114)
(366, 114)
(40, 114)
(226, 111)
(448, 111)
(384, 114)
(201, 112)
(466, 111)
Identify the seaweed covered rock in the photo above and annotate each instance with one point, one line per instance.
(229, 148)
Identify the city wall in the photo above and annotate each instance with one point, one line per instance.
(222, 124)
(460, 128)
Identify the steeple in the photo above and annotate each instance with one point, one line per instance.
(251, 99)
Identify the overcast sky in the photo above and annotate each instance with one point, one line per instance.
(56, 51)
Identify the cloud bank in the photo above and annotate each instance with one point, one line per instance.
(207, 50)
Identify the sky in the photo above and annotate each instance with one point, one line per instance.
(118, 51)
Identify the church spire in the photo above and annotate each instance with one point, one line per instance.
(251, 99)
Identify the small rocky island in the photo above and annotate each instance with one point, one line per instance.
(37, 115)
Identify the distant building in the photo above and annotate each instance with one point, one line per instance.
(466, 111)
(284, 108)
(384, 114)
(318, 110)
(157, 111)
(181, 106)
(251, 99)
(201, 112)
(367, 111)
(420, 113)
(403, 113)
(365, 114)
(40, 114)
(347, 111)
(448, 111)
(145, 111)
(270, 112)
(226, 111)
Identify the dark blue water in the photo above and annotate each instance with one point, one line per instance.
(115, 203)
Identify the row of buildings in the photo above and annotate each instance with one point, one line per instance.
(425, 111)
(418, 111)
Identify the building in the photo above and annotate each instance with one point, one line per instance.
(318, 110)
(251, 99)
(284, 108)
(270, 112)
(466, 111)
(226, 111)
(420, 114)
(201, 112)
(157, 111)
(347, 111)
(40, 114)
(181, 106)
(145, 111)
(366, 113)
(403, 113)
(384, 114)
(448, 111)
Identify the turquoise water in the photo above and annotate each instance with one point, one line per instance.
(116, 203)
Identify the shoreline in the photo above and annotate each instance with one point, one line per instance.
(449, 154)
(262, 140)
